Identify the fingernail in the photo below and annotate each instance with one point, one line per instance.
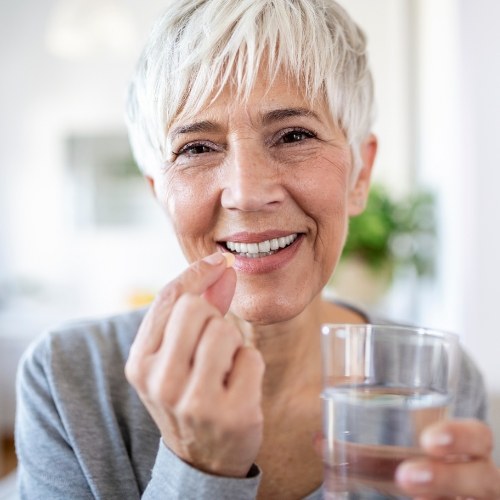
(219, 257)
(430, 439)
(230, 258)
(416, 474)
(215, 259)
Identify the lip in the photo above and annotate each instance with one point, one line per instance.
(269, 263)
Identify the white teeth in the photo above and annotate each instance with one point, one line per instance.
(253, 247)
(263, 248)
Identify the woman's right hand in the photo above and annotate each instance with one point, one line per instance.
(199, 382)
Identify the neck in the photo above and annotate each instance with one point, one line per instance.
(291, 349)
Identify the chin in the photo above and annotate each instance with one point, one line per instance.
(267, 309)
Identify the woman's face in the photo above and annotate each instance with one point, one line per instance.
(269, 180)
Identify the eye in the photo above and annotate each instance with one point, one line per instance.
(295, 135)
(194, 149)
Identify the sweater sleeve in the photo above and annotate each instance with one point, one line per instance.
(67, 449)
(48, 467)
(174, 479)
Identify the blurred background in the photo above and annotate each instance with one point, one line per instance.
(80, 234)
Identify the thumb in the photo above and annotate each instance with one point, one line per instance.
(221, 293)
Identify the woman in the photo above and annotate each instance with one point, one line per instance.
(251, 121)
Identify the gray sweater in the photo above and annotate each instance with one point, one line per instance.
(82, 432)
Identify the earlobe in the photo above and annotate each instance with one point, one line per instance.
(358, 194)
(151, 184)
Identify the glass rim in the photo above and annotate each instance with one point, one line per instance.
(420, 331)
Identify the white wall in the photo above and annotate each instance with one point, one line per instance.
(388, 27)
(44, 98)
(480, 70)
(459, 155)
(439, 143)
(459, 121)
(49, 270)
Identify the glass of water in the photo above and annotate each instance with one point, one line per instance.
(382, 386)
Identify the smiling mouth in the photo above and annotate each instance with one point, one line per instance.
(262, 248)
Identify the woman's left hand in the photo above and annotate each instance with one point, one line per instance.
(458, 463)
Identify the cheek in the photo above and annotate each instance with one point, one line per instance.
(190, 205)
(326, 194)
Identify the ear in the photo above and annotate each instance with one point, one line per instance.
(151, 183)
(358, 192)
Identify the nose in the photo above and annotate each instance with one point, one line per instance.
(253, 182)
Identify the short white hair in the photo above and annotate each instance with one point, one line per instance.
(199, 46)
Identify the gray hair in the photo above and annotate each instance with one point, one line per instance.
(199, 46)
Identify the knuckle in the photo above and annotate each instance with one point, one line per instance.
(226, 329)
(195, 272)
(256, 417)
(133, 371)
(234, 334)
(187, 303)
(243, 420)
(220, 330)
(193, 410)
(157, 394)
(255, 358)
(199, 268)
(214, 334)
(162, 394)
(170, 293)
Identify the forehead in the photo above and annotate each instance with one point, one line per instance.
(264, 101)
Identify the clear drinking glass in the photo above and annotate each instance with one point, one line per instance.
(382, 385)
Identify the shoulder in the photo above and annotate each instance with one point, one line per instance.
(74, 347)
(71, 394)
(104, 333)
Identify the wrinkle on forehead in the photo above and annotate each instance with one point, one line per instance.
(235, 96)
(268, 102)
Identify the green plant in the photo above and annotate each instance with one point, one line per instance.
(394, 233)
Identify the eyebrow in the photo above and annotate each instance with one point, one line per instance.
(275, 115)
(203, 126)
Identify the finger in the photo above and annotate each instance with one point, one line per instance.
(221, 293)
(189, 318)
(214, 355)
(247, 373)
(196, 279)
(475, 479)
(469, 437)
(319, 444)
